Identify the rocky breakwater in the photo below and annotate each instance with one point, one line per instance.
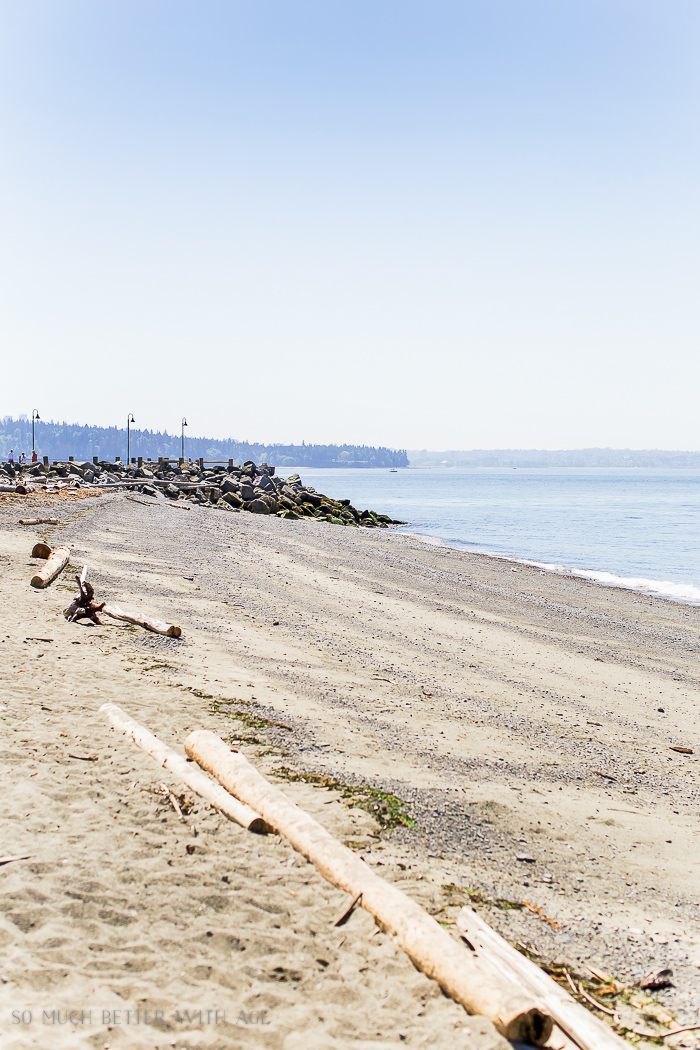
(251, 487)
(30, 476)
(257, 489)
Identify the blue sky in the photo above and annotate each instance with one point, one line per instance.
(441, 225)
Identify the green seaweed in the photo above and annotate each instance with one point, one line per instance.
(254, 740)
(388, 810)
(479, 897)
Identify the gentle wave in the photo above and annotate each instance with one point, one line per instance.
(678, 592)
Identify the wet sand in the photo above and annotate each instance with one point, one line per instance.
(514, 713)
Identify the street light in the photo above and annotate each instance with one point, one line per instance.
(184, 424)
(35, 415)
(129, 420)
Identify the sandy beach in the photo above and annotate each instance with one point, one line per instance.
(517, 728)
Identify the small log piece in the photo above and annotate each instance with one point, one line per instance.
(189, 774)
(479, 987)
(157, 626)
(38, 521)
(56, 562)
(41, 550)
(17, 856)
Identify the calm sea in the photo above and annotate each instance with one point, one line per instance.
(635, 528)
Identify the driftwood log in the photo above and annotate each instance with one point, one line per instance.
(84, 606)
(187, 772)
(157, 626)
(39, 521)
(55, 563)
(41, 550)
(471, 981)
(586, 1030)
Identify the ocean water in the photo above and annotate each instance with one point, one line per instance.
(633, 528)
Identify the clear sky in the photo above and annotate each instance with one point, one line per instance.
(421, 224)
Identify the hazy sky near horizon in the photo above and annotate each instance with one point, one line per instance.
(418, 224)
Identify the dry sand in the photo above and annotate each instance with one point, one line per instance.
(516, 714)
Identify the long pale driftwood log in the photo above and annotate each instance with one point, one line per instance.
(190, 775)
(56, 562)
(157, 626)
(586, 1030)
(480, 988)
(39, 521)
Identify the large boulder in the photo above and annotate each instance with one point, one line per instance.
(229, 485)
(258, 506)
(172, 491)
(265, 484)
(247, 492)
(233, 499)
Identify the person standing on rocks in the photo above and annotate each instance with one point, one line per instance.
(35, 458)
(11, 457)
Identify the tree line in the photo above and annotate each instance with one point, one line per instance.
(58, 441)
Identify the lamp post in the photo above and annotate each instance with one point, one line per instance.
(184, 424)
(35, 415)
(129, 420)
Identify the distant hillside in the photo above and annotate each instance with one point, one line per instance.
(61, 440)
(578, 457)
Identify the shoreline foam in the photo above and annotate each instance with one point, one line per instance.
(667, 590)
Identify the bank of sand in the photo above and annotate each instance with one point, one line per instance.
(517, 715)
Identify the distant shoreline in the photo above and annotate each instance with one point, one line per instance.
(533, 458)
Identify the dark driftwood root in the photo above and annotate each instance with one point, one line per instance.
(84, 607)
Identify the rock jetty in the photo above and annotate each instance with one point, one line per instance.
(250, 487)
